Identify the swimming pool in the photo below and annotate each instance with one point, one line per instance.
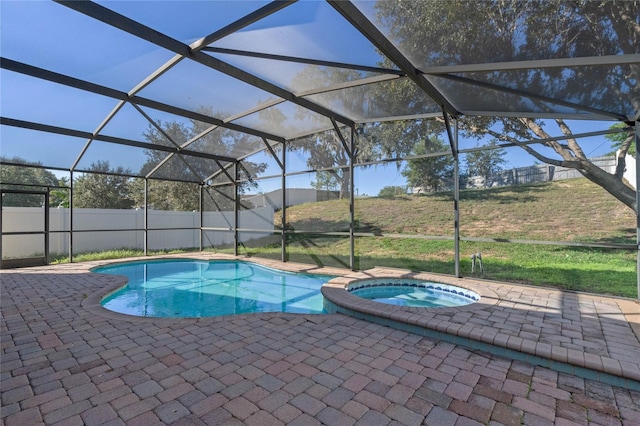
(181, 288)
(414, 293)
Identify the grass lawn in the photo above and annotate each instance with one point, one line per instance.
(599, 271)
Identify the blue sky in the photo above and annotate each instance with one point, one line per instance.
(46, 34)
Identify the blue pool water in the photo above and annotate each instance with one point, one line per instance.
(414, 293)
(192, 288)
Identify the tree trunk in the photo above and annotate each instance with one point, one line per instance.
(612, 184)
(574, 158)
(345, 185)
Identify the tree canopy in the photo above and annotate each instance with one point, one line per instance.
(30, 176)
(429, 173)
(461, 32)
(485, 163)
(104, 188)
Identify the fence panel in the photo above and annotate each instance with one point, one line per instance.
(92, 220)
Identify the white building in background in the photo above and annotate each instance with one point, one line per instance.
(295, 196)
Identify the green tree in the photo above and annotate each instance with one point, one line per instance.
(392, 191)
(172, 193)
(463, 32)
(103, 188)
(622, 143)
(326, 181)
(59, 197)
(10, 174)
(325, 151)
(485, 163)
(432, 172)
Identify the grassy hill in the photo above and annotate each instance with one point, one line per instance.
(567, 211)
(572, 210)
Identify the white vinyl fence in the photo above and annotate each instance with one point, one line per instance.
(630, 170)
(85, 221)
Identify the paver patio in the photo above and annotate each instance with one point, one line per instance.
(67, 361)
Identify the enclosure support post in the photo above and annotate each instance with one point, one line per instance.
(456, 200)
(70, 216)
(235, 208)
(352, 202)
(283, 254)
(146, 215)
(1, 197)
(637, 142)
(453, 139)
(46, 226)
(201, 215)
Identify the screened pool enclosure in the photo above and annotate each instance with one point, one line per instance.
(342, 133)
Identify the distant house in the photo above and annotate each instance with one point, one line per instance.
(536, 173)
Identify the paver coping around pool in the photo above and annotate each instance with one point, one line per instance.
(443, 320)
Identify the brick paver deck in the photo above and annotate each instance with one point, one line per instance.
(65, 360)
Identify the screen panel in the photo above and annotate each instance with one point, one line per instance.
(591, 270)
(300, 30)
(540, 202)
(168, 240)
(186, 21)
(316, 207)
(318, 249)
(264, 244)
(286, 120)
(96, 242)
(201, 89)
(41, 101)
(414, 254)
(40, 33)
(218, 241)
(26, 146)
(320, 151)
(394, 98)
(219, 199)
(481, 32)
(22, 246)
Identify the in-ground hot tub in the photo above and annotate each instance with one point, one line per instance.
(412, 292)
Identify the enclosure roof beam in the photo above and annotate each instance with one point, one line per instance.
(66, 80)
(536, 64)
(554, 138)
(350, 84)
(111, 139)
(243, 22)
(102, 125)
(542, 98)
(400, 118)
(359, 21)
(137, 29)
(295, 59)
(336, 129)
(540, 115)
(273, 153)
(447, 123)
